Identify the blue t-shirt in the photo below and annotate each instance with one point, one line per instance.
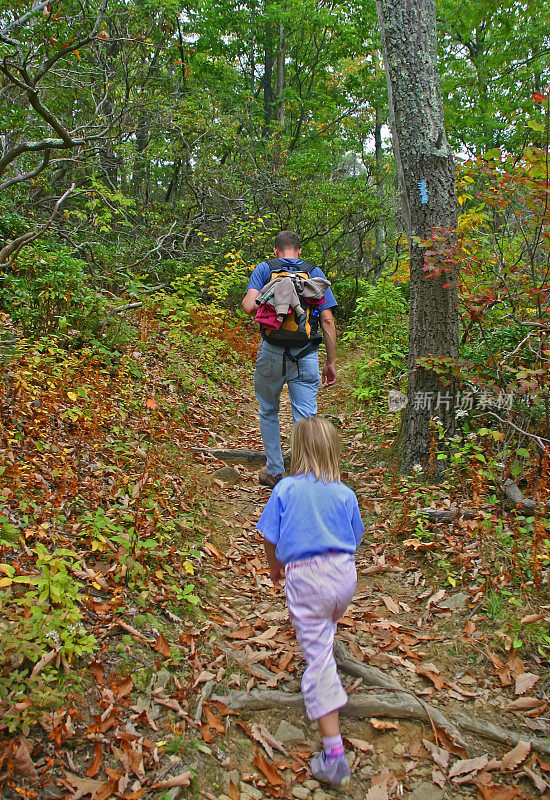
(305, 517)
(262, 274)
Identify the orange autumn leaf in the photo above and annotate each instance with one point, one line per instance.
(150, 403)
(383, 725)
(96, 668)
(162, 646)
(268, 770)
(123, 688)
(213, 720)
(95, 766)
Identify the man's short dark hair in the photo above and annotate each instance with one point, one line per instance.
(286, 240)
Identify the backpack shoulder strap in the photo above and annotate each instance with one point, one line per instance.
(275, 265)
(306, 266)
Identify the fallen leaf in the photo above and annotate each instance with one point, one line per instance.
(162, 646)
(184, 779)
(383, 725)
(531, 618)
(359, 744)
(435, 598)
(377, 793)
(539, 784)
(95, 766)
(390, 604)
(223, 709)
(123, 688)
(204, 677)
(416, 748)
(22, 761)
(499, 792)
(233, 792)
(96, 668)
(44, 661)
(468, 766)
(263, 736)
(525, 681)
(150, 403)
(513, 758)
(525, 704)
(213, 720)
(98, 790)
(432, 673)
(438, 778)
(268, 770)
(438, 754)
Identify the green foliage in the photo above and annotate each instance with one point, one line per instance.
(492, 59)
(380, 326)
(43, 619)
(48, 291)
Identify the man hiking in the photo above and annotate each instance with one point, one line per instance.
(290, 341)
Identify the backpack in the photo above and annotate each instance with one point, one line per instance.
(295, 330)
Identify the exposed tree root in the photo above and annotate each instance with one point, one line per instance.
(406, 706)
(372, 676)
(513, 494)
(237, 456)
(378, 706)
(524, 504)
(447, 514)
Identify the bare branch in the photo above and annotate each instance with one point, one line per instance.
(17, 23)
(72, 47)
(35, 147)
(27, 176)
(14, 248)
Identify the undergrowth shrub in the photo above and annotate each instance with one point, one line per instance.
(47, 290)
(380, 327)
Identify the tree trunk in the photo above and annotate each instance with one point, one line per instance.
(281, 76)
(267, 78)
(252, 45)
(379, 236)
(427, 189)
(139, 177)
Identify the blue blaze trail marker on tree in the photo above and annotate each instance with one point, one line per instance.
(423, 191)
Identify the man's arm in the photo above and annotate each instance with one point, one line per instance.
(329, 335)
(249, 302)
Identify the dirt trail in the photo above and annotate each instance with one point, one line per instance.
(398, 622)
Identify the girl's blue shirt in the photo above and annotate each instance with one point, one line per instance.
(306, 517)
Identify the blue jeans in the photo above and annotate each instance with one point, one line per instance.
(303, 383)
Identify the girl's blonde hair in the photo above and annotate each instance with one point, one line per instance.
(315, 449)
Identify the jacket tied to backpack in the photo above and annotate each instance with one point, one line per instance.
(288, 309)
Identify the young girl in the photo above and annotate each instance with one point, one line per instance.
(312, 526)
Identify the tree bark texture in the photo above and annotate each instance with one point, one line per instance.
(379, 235)
(280, 114)
(427, 189)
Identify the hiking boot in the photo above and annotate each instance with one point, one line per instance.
(334, 771)
(268, 480)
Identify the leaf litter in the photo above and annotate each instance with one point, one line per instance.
(392, 623)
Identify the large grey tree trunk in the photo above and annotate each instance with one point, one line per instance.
(379, 233)
(427, 189)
